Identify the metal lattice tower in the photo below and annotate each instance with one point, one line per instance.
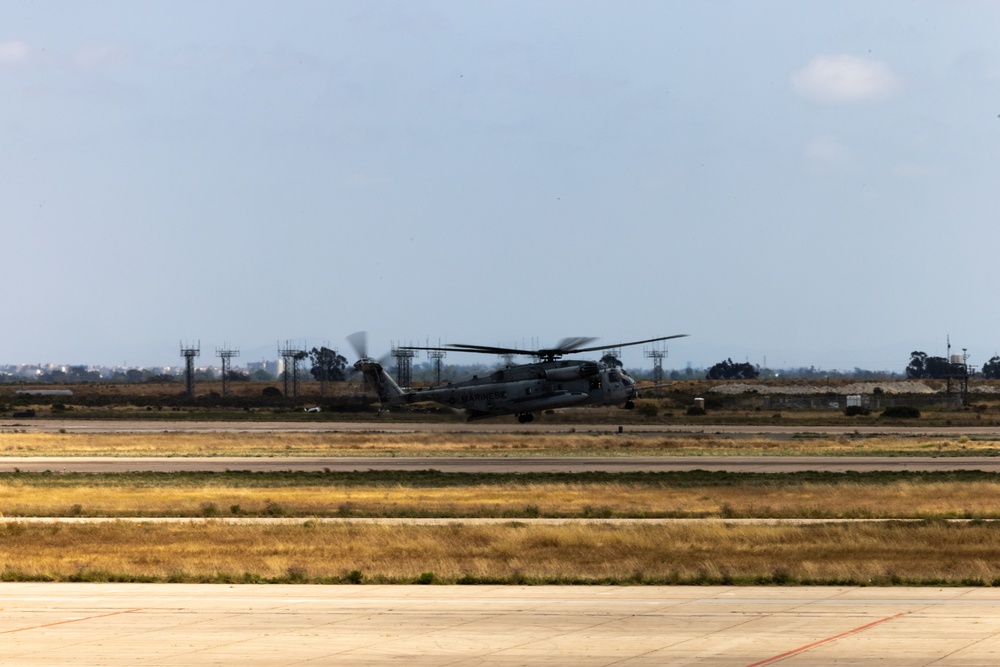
(189, 351)
(614, 353)
(226, 354)
(437, 356)
(657, 356)
(291, 356)
(404, 365)
(960, 370)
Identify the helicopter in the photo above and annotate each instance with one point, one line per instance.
(516, 389)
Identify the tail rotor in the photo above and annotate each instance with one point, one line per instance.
(359, 343)
(386, 389)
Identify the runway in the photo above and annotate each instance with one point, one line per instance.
(170, 624)
(500, 464)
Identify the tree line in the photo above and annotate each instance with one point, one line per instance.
(923, 366)
(325, 365)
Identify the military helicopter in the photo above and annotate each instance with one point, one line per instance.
(516, 389)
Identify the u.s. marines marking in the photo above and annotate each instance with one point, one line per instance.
(482, 396)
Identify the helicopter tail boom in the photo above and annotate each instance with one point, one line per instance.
(385, 387)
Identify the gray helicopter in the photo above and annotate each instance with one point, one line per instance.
(516, 389)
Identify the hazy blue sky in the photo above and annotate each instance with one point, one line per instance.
(806, 183)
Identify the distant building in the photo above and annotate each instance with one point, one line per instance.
(272, 367)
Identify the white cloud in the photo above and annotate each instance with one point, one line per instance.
(845, 79)
(91, 56)
(13, 52)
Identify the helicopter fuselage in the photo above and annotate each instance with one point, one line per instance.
(518, 389)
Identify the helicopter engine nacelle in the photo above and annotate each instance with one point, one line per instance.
(567, 373)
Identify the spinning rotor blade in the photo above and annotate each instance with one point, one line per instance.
(572, 344)
(416, 347)
(479, 349)
(638, 342)
(488, 349)
(359, 342)
(565, 346)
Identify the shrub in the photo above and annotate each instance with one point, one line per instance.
(901, 412)
(695, 410)
(855, 410)
(647, 409)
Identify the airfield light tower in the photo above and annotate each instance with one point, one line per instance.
(189, 351)
(404, 365)
(437, 356)
(292, 355)
(657, 356)
(613, 357)
(959, 370)
(226, 354)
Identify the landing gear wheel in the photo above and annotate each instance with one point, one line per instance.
(629, 405)
(525, 417)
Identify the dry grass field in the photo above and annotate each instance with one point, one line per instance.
(338, 443)
(865, 554)
(666, 495)
(926, 552)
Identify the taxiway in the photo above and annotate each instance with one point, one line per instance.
(168, 624)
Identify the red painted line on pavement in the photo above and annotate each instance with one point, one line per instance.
(802, 649)
(72, 620)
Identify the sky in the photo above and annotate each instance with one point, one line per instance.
(790, 183)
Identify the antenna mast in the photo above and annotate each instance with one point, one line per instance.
(657, 355)
(291, 356)
(614, 355)
(437, 356)
(959, 370)
(189, 351)
(404, 365)
(226, 354)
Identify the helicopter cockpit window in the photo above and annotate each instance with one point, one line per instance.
(614, 376)
(627, 381)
